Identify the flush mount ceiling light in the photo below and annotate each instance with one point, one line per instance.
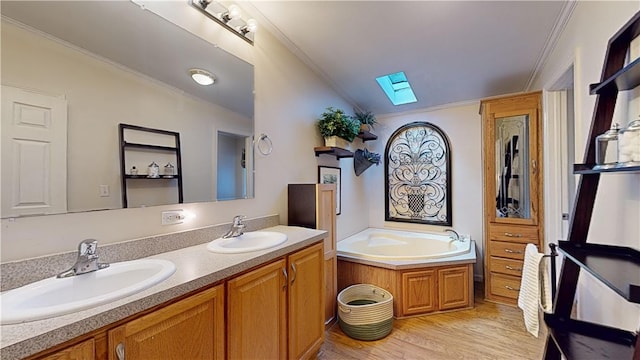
(202, 77)
(230, 18)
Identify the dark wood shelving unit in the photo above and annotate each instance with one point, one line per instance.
(145, 177)
(584, 340)
(625, 79)
(586, 169)
(131, 145)
(616, 267)
(339, 153)
(126, 146)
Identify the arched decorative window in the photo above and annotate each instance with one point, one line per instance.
(418, 175)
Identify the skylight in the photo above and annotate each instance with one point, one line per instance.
(397, 88)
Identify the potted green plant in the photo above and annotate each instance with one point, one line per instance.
(363, 159)
(334, 123)
(367, 120)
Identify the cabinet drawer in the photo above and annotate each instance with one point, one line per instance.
(505, 285)
(507, 250)
(506, 266)
(514, 233)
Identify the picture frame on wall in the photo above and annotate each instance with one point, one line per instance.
(331, 175)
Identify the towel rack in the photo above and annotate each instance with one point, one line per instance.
(553, 256)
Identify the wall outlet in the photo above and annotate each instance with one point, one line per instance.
(172, 217)
(104, 190)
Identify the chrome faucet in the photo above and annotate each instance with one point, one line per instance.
(87, 260)
(454, 235)
(237, 228)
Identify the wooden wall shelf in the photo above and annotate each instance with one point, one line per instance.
(339, 153)
(367, 136)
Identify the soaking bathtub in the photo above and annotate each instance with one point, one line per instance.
(425, 272)
(390, 245)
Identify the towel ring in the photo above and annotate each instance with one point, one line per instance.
(264, 145)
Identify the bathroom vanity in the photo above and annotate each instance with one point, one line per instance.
(260, 304)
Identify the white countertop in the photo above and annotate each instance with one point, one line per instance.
(195, 268)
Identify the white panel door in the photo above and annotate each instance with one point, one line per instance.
(34, 153)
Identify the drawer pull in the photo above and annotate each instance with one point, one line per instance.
(512, 235)
(286, 279)
(120, 351)
(512, 268)
(510, 288)
(513, 251)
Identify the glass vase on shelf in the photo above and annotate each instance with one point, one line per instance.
(154, 170)
(169, 171)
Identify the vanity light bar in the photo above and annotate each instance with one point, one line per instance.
(215, 11)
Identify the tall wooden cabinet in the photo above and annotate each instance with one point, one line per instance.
(513, 203)
(616, 267)
(313, 206)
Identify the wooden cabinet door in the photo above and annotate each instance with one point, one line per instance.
(326, 220)
(330, 286)
(192, 328)
(306, 302)
(454, 288)
(82, 351)
(257, 313)
(419, 292)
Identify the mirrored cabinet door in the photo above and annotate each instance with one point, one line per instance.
(512, 162)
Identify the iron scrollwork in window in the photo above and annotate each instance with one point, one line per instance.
(418, 175)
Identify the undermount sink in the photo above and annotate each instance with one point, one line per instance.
(249, 241)
(54, 297)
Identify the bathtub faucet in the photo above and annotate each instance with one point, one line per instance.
(87, 260)
(454, 235)
(237, 228)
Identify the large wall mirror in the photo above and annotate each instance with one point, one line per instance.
(113, 62)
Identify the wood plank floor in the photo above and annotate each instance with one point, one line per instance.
(489, 331)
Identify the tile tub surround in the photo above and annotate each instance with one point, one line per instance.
(195, 268)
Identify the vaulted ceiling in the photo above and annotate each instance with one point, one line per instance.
(451, 51)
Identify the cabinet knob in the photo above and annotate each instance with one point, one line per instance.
(512, 268)
(511, 288)
(120, 351)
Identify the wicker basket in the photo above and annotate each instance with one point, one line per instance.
(365, 312)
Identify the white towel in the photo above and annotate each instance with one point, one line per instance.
(534, 289)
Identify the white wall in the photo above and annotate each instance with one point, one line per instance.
(462, 124)
(617, 208)
(289, 98)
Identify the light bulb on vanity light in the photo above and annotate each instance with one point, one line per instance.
(251, 27)
(232, 13)
(202, 77)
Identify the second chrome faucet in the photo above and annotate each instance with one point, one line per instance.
(237, 228)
